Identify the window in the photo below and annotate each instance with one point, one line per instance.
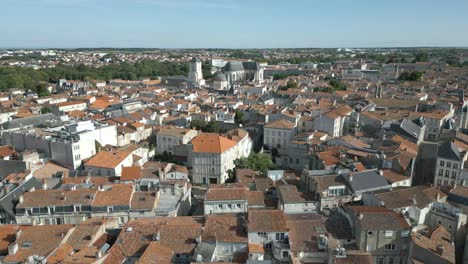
(261, 233)
(390, 247)
(77, 208)
(285, 254)
(220, 206)
(391, 261)
(388, 234)
(110, 209)
(447, 173)
(442, 163)
(370, 233)
(51, 209)
(449, 164)
(381, 261)
(441, 172)
(455, 165)
(279, 236)
(405, 233)
(268, 245)
(454, 174)
(238, 206)
(439, 182)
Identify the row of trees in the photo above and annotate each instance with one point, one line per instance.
(28, 78)
(410, 76)
(255, 161)
(207, 127)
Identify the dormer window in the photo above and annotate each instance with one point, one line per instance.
(77, 208)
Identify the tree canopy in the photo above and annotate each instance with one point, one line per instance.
(255, 161)
(410, 76)
(208, 127)
(28, 78)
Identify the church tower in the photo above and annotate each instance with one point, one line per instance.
(195, 72)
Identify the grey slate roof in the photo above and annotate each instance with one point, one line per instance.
(220, 77)
(45, 119)
(8, 202)
(410, 127)
(241, 66)
(366, 181)
(448, 150)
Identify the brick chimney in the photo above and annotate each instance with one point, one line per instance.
(440, 250)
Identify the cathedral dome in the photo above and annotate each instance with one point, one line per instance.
(220, 77)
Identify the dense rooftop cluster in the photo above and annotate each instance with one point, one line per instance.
(343, 161)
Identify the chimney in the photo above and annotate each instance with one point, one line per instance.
(350, 178)
(381, 172)
(44, 186)
(414, 199)
(12, 248)
(18, 234)
(440, 250)
(438, 196)
(99, 254)
(21, 199)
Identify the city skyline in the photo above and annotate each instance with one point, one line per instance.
(231, 24)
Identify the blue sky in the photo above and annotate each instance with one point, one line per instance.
(232, 23)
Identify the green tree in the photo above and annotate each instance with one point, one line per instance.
(337, 85)
(208, 127)
(239, 117)
(255, 161)
(45, 110)
(410, 76)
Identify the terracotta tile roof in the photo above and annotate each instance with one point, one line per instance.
(404, 197)
(324, 182)
(256, 248)
(156, 253)
(267, 221)
(379, 218)
(84, 256)
(48, 170)
(143, 201)
(211, 143)
(431, 239)
(174, 131)
(115, 255)
(138, 234)
(94, 181)
(225, 194)
(118, 195)
(130, 173)
(227, 228)
(7, 236)
(70, 103)
(85, 232)
(60, 253)
(255, 198)
(108, 159)
(280, 124)
(236, 134)
(304, 233)
(180, 238)
(44, 198)
(6, 151)
(38, 240)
